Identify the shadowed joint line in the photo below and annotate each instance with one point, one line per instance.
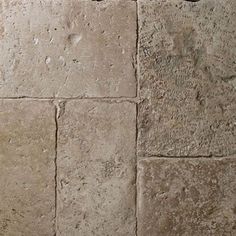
(55, 166)
(196, 157)
(102, 99)
(137, 95)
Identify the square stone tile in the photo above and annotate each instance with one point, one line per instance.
(96, 169)
(67, 48)
(27, 152)
(187, 69)
(187, 197)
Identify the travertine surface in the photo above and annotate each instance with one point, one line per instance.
(67, 48)
(96, 169)
(27, 152)
(80, 104)
(187, 54)
(187, 197)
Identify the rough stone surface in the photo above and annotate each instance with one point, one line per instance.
(27, 142)
(187, 197)
(67, 48)
(71, 82)
(187, 60)
(96, 169)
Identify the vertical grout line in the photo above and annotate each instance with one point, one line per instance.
(55, 164)
(137, 94)
(136, 174)
(137, 50)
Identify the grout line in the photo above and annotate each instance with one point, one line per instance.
(136, 173)
(210, 157)
(137, 94)
(55, 163)
(70, 98)
(98, 99)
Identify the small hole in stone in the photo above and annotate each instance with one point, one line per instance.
(192, 0)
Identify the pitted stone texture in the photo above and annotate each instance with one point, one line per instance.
(187, 197)
(67, 48)
(187, 68)
(27, 141)
(96, 169)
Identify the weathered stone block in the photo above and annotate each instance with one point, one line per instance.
(67, 48)
(187, 78)
(27, 152)
(187, 197)
(96, 169)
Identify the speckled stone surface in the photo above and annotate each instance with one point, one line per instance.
(67, 48)
(187, 69)
(96, 169)
(27, 170)
(187, 197)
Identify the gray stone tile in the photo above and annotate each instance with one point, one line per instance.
(27, 152)
(187, 68)
(96, 169)
(67, 48)
(187, 197)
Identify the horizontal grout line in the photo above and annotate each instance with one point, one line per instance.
(185, 157)
(108, 99)
(176, 156)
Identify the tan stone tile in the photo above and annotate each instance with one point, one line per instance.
(187, 78)
(67, 48)
(96, 169)
(27, 142)
(187, 197)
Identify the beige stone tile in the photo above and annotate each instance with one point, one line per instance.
(96, 169)
(187, 78)
(187, 197)
(67, 48)
(27, 142)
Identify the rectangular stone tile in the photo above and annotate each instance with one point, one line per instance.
(96, 169)
(187, 197)
(27, 142)
(67, 48)
(187, 78)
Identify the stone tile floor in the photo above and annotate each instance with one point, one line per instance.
(117, 118)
